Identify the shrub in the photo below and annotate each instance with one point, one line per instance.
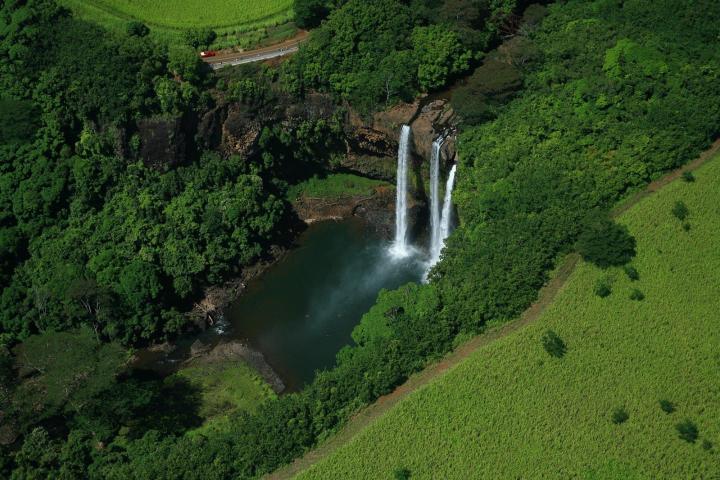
(492, 85)
(402, 474)
(632, 273)
(199, 37)
(603, 288)
(707, 445)
(686, 226)
(137, 29)
(637, 295)
(619, 416)
(688, 176)
(605, 243)
(667, 406)
(687, 430)
(553, 344)
(680, 210)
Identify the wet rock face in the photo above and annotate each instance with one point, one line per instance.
(371, 153)
(427, 118)
(379, 212)
(162, 142)
(376, 209)
(435, 118)
(377, 138)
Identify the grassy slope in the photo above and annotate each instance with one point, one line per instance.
(231, 19)
(511, 411)
(334, 185)
(226, 387)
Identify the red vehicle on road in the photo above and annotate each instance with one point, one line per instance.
(208, 53)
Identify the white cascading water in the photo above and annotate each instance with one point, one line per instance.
(400, 247)
(446, 216)
(445, 221)
(435, 244)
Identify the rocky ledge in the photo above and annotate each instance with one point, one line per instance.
(233, 351)
(372, 144)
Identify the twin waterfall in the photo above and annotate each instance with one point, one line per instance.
(440, 214)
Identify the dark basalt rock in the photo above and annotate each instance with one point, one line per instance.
(240, 132)
(162, 142)
(210, 128)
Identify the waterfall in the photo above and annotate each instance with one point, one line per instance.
(446, 217)
(445, 220)
(400, 247)
(435, 245)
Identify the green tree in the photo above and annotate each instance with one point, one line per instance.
(69, 369)
(38, 457)
(18, 121)
(666, 406)
(185, 64)
(137, 29)
(139, 283)
(619, 416)
(309, 13)
(553, 344)
(439, 55)
(687, 430)
(199, 37)
(605, 243)
(680, 210)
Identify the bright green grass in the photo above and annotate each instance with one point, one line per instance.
(168, 19)
(225, 388)
(512, 411)
(334, 185)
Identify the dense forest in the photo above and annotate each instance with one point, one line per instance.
(102, 250)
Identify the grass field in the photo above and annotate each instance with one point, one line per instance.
(225, 388)
(513, 411)
(233, 20)
(334, 185)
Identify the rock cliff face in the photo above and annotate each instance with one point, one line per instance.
(377, 209)
(372, 144)
(163, 141)
(210, 128)
(240, 133)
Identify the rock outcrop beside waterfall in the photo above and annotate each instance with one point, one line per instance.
(232, 129)
(378, 137)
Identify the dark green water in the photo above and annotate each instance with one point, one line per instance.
(301, 311)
